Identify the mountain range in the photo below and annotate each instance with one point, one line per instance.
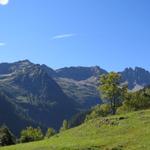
(37, 95)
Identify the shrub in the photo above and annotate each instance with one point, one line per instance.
(50, 132)
(31, 134)
(136, 101)
(65, 126)
(99, 111)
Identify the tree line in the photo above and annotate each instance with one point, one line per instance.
(29, 134)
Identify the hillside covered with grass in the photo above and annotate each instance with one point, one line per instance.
(129, 131)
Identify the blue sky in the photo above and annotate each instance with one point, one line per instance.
(113, 34)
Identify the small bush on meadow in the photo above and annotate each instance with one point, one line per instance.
(136, 101)
(50, 132)
(65, 126)
(31, 134)
(99, 111)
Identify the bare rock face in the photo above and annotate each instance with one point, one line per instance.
(136, 78)
(79, 83)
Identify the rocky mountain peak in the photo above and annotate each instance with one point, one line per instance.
(136, 76)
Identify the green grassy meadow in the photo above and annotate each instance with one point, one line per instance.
(129, 131)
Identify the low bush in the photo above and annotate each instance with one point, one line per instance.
(31, 134)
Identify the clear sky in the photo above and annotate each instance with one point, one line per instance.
(113, 34)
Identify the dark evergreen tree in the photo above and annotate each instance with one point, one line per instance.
(6, 137)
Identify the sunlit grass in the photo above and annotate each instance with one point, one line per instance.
(121, 132)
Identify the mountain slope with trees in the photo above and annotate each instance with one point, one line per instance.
(119, 132)
(40, 96)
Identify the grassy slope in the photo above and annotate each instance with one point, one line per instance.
(121, 132)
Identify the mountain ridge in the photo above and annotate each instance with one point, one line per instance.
(46, 97)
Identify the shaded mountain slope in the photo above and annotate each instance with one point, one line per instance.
(32, 90)
(13, 115)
